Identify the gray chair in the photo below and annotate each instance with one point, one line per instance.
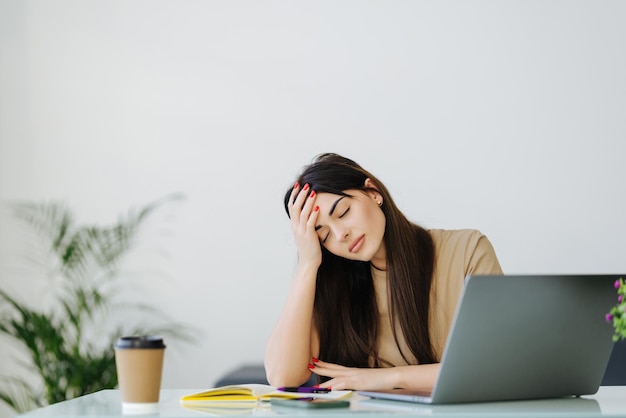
(250, 373)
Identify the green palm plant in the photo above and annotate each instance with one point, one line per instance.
(65, 344)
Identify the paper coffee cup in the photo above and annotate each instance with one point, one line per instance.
(139, 363)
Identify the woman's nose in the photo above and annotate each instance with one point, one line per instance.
(341, 234)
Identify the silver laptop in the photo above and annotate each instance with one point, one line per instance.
(523, 337)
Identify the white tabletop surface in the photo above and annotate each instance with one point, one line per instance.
(609, 401)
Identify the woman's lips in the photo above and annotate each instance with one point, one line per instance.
(356, 245)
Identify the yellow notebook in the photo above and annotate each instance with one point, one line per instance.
(255, 393)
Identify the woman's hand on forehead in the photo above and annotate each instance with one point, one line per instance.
(304, 213)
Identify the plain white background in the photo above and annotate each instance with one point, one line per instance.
(505, 116)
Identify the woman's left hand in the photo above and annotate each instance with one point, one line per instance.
(353, 378)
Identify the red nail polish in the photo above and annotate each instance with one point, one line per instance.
(316, 209)
(295, 186)
(306, 187)
(316, 386)
(312, 193)
(311, 366)
(315, 360)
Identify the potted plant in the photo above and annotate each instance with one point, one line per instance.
(617, 315)
(67, 357)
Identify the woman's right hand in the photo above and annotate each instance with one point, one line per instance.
(303, 213)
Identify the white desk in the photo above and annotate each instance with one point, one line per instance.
(610, 401)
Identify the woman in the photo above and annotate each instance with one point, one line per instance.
(373, 295)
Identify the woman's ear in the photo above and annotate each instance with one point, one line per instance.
(370, 184)
(373, 192)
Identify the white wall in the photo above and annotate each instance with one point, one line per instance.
(509, 117)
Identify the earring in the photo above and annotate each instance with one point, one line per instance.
(380, 203)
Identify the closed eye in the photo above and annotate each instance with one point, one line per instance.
(320, 233)
(344, 212)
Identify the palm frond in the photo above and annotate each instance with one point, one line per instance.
(19, 395)
(52, 220)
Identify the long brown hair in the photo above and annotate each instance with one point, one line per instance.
(345, 310)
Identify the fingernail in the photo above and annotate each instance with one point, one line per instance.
(316, 386)
(312, 193)
(311, 366)
(306, 187)
(315, 360)
(295, 186)
(316, 209)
